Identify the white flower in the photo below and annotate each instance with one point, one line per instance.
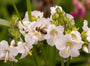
(24, 48)
(7, 52)
(76, 36)
(70, 17)
(34, 13)
(85, 26)
(38, 30)
(24, 27)
(68, 47)
(54, 33)
(86, 29)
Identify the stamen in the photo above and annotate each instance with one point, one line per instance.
(29, 33)
(66, 50)
(66, 53)
(30, 53)
(54, 37)
(5, 60)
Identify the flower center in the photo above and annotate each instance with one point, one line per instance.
(53, 32)
(73, 36)
(69, 44)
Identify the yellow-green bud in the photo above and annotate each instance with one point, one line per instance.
(68, 31)
(54, 22)
(58, 10)
(55, 16)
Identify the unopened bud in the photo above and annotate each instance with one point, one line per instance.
(58, 10)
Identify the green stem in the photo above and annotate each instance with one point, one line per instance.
(68, 61)
(29, 10)
(52, 53)
(43, 54)
(16, 11)
(12, 64)
(34, 56)
(62, 61)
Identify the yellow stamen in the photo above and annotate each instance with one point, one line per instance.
(54, 37)
(28, 32)
(66, 50)
(5, 60)
(66, 53)
(30, 53)
(69, 44)
(69, 52)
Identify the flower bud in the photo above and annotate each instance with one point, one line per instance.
(85, 49)
(54, 22)
(58, 10)
(55, 16)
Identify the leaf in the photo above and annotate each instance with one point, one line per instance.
(4, 22)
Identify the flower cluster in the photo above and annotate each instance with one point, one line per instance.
(58, 30)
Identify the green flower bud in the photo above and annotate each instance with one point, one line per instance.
(61, 22)
(68, 31)
(58, 10)
(54, 22)
(75, 29)
(55, 16)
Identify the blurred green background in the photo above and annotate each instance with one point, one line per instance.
(7, 11)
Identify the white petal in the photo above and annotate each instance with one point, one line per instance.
(13, 51)
(24, 54)
(12, 43)
(85, 26)
(63, 53)
(74, 52)
(71, 18)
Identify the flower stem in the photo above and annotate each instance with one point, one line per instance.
(62, 61)
(68, 61)
(43, 54)
(17, 11)
(34, 56)
(29, 10)
(12, 64)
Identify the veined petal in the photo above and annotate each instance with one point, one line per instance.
(74, 52)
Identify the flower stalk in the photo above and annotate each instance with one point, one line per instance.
(43, 54)
(29, 10)
(68, 61)
(17, 11)
(62, 61)
(34, 56)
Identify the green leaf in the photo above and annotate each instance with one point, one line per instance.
(4, 22)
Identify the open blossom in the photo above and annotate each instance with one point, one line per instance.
(38, 30)
(24, 27)
(24, 48)
(8, 52)
(54, 33)
(69, 45)
(34, 13)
